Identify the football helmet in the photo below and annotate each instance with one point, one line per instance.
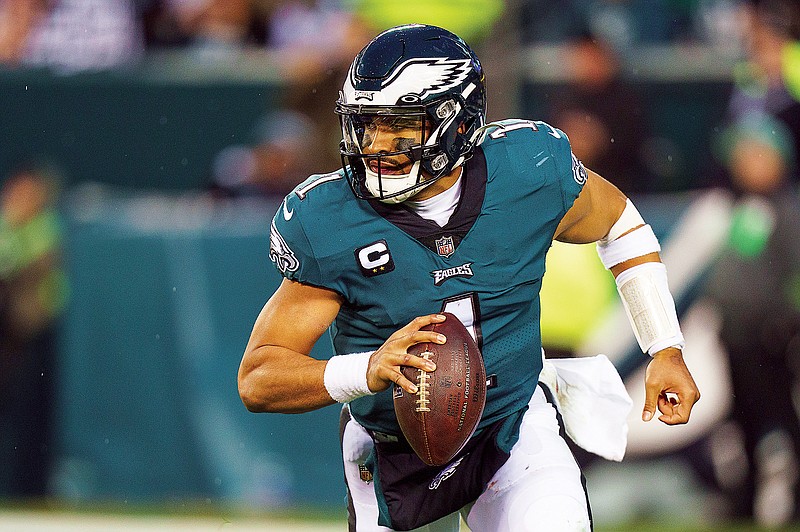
(412, 101)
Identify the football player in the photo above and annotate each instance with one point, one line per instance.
(434, 210)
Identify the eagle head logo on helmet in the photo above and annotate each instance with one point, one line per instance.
(419, 72)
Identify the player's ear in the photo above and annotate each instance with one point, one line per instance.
(462, 128)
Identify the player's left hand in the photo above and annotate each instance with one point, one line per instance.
(670, 386)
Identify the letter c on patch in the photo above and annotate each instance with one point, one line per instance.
(375, 259)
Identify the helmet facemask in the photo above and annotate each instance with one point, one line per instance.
(393, 172)
(384, 150)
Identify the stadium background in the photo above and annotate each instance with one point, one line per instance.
(165, 283)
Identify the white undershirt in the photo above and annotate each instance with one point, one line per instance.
(440, 207)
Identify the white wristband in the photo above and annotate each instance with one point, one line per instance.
(648, 302)
(346, 376)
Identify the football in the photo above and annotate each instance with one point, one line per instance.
(440, 418)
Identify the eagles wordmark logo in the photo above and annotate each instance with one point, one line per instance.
(440, 276)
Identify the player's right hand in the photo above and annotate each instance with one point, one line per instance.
(670, 386)
(385, 362)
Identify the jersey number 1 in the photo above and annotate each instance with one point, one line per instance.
(465, 307)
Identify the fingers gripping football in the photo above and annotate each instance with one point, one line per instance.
(384, 364)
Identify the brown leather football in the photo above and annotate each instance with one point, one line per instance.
(439, 419)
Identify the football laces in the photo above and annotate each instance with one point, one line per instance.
(422, 386)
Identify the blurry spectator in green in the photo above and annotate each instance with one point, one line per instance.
(32, 295)
(756, 286)
(768, 79)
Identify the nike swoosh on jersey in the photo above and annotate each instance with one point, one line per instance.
(287, 214)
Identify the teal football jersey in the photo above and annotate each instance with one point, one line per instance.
(485, 265)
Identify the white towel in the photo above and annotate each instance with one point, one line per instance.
(593, 403)
(356, 442)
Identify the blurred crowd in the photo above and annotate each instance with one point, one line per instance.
(311, 43)
(753, 152)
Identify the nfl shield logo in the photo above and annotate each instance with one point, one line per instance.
(364, 473)
(444, 246)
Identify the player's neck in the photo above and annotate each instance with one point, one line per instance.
(441, 184)
(440, 206)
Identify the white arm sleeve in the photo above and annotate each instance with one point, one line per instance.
(650, 307)
(643, 288)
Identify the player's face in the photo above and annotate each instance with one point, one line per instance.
(390, 135)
